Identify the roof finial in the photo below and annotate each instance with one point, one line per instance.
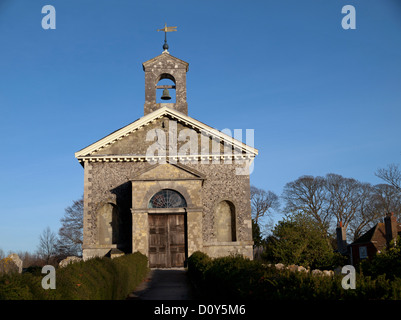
(166, 29)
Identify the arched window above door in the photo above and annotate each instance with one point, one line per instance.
(167, 198)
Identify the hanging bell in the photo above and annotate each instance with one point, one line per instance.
(166, 95)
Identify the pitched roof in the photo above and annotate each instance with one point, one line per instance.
(367, 236)
(165, 55)
(375, 235)
(159, 113)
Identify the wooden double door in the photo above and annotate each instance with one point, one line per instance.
(167, 240)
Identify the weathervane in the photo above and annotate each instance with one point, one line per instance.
(166, 29)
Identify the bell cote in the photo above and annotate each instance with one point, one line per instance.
(165, 83)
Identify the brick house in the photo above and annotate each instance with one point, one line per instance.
(167, 184)
(374, 240)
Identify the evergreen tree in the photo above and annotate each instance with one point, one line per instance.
(298, 239)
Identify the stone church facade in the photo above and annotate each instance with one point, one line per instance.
(167, 185)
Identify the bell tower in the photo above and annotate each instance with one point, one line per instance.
(162, 67)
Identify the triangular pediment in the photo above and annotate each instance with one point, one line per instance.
(165, 60)
(168, 171)
(131, 141)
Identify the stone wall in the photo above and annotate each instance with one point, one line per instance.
(119, 183)
(136, 142)
(109, 184)
(128, 187)
(225, 222)
(223, 184)
(296, 268)
(165, 66)
(216, 249)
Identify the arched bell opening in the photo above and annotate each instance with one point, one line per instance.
(166, 89)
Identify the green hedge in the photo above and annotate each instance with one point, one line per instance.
(236, 277)
(94, 279)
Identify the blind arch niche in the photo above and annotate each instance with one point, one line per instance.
(225, 221)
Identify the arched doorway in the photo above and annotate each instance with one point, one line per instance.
(167, 229)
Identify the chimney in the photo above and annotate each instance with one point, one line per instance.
(341, 238)
(390, 223)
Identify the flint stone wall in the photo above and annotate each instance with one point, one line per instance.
(110, 183)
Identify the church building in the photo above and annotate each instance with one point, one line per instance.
(167, 185)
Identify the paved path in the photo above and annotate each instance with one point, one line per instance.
(164, 284)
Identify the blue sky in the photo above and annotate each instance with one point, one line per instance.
(321, 99)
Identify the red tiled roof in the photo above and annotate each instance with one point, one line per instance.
(376, 236)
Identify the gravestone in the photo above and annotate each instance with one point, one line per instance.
(11, 264)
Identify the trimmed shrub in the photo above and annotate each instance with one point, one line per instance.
(198, 263)
(235, 277)
(15, 287)
(94, 279)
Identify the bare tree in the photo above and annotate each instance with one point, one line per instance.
(47, 245)
(387, 199)
(30, 259)
(308, 195)
(345, 197)
(391, 175)
(375, 203)
(334, 198)
(70, 234)
(262, 202)
(366, 215)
